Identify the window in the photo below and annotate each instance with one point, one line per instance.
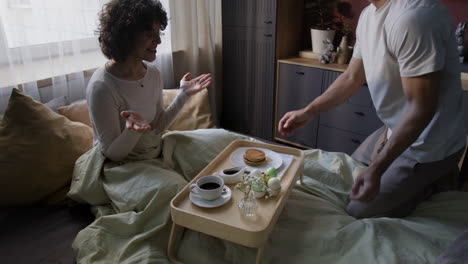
(40, 39)
(19, 3)
(38, 22)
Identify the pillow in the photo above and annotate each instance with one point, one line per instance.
(39, 149)
(77, 111)
(195, 114)
(55, 103)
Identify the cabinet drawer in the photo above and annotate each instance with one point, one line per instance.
(238, 13)
(248, 13)
(361, 97)
(335, 140)
(297, 87)
(306, 136)
(352, 118)
(306, 76)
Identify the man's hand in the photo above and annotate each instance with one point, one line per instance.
(194, 86)
(366, 186)
(134, 121)
(293, 120)
(341, 89)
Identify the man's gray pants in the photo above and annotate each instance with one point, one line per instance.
(405, 183)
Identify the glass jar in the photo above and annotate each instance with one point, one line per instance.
(248, 205)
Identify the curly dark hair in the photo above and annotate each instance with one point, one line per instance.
(120, 20)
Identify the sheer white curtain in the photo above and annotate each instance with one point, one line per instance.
(196, 39)
(42, 39)
(164, 60)
(56, 39)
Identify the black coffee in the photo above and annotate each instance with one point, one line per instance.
(230, 171)
(209, 186)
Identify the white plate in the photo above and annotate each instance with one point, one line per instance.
(224, 198)
(272, 159)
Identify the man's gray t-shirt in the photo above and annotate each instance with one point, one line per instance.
(407, 39)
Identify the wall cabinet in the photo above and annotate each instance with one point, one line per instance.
(342, 128)
(253, 34)
(258, 34)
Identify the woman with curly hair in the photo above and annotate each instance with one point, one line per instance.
(125, 95)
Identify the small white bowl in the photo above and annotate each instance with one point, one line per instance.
(259, 194)
(232, 175)
(274, 192)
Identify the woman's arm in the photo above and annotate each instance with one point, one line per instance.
(115, 143)
(164, 118)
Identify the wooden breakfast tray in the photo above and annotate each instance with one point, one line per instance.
(226, 221)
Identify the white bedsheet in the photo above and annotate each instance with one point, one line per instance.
(313, 228)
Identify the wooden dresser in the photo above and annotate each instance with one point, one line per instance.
(341, 129)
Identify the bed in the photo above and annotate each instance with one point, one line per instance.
(133, 226)
(130, 220)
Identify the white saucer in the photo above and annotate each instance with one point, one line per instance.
(224, 198)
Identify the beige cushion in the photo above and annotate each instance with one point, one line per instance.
(195, 114)
(39, 149)
(77, 112)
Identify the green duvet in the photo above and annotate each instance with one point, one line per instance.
(131, 204)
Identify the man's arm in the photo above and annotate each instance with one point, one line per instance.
(422, 93)
(339, 91)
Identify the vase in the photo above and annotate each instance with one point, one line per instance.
(318, 39)
(248, 205)
(344, 51)
(461, 50)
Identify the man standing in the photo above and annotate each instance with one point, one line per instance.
(406, 52)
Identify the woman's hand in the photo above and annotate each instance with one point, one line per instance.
(292, 121)
(134, 121)
(194, 86)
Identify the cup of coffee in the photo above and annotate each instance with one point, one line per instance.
(208, 187)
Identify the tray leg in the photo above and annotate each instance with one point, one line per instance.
(175, 231)
(259, 255)
(301, 175)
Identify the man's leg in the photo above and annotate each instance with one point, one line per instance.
(364, 153)
(404, 184)
(457, 252)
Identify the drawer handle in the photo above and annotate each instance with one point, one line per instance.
(355, 141)
(300, 73)
(267, 35)
(268, 22)
(360, 113)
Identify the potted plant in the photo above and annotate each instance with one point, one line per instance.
(323, 13)
(344, 10)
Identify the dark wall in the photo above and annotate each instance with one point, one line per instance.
(457, 8)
